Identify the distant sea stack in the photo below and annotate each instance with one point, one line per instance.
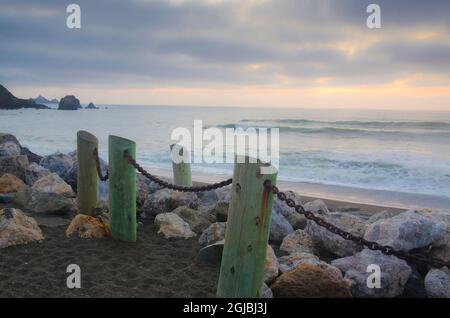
(9, 101)
(69, 102)
(42, 100)
(91, 106)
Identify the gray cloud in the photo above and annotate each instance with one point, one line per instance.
(157, 43)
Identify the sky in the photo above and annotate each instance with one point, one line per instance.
(244, 53)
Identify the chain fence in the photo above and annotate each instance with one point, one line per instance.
(374, 246)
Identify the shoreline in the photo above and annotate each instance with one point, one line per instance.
(338, 197)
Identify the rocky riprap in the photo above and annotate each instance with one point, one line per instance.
(303, 259)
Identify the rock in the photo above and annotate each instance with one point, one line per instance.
(312, 280)
(142, 193)
(7, 197)
(208, 197)
(32, 157)
(279, 227)
(58, 162)
(441, 252)
(383, 215)
(265, 291)
(224, 194)
(9, 148)
(166, 200)
(9, 101)
(198, 221)
(214, 233)
(333, 243)
(394, 273)
(34, 172)
(16, 228)
(317, 207)
(437, 284)
(298, 242)
(297, 220)
(271, 266)
(9, 138)
(86, 226)
(211, 254)
(53, 183)
(172, 226)
(221, 210)
(70, 176)
(291, 261)
(43, 202)
(10, 183)
(91, 106)
(69, 102)
(15, 165)
(408, 230)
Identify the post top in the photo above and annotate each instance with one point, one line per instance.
(120, 139)
(82, 134)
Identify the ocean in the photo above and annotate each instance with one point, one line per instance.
(399, 151)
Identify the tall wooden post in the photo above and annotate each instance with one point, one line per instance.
(181, 170)
(87, 177)
(247, 233)
(122, 189)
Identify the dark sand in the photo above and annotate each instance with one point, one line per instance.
(152, 267)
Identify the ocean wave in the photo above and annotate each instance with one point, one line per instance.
(348, 132)
(440, 125)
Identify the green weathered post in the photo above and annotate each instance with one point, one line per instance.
(122, 189)
(182, 168)
(87, 177)
(247, 234)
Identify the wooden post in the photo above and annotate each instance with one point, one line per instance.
(182, 170)
(122, 189)
(247, 233)
(87, 177)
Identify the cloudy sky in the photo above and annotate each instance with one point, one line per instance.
(273, 53)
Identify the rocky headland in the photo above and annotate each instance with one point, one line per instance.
(9, 101)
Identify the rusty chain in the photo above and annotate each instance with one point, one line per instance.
(99, 169)
(175, 187)
(374, 246)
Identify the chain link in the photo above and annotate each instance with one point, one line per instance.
(374, 246)
(171, 186)
(99, 169)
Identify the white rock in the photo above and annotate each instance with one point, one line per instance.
(16, 228)
(214, 233)
(172, 226)
(53, 183)
(298, 241)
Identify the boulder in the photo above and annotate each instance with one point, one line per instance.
(15, 165)
(224, 193)
(58, 162)
(214, 233)
(208, 197)
(85, 226)
(394, 273)
(221, 210)
(383, 215)
(271, 266)
(298, 242)
(43, 202)
(437, 284)
(172, 226)
(9, 148)
(409, 230)
(9, 138)
(32, 157)
(297, 220)
(70, 176)
(34, 172)
(318, 207)
(10, 183)
(53, 183)
(142, 192)
(441, 252)
(291, 261)
(16, 228)
(312, 280)
(333, 243)
(265, 291)
(279, 227)
(166, 200)
(198, 221)
(69, 102)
